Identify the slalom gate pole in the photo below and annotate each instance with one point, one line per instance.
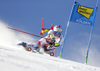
(23, 32)
(64, 40)
(89, 45)
(66, 33)
(55, 52)
(97, 3)
(91, 32)
(42, 27)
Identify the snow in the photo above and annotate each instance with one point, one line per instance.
(16, 59)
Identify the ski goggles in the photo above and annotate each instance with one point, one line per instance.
(56, 32)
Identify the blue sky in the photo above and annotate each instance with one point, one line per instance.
(27, 15)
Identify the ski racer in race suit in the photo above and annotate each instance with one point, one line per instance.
(51, 41)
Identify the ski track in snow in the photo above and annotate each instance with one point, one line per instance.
(12, 59)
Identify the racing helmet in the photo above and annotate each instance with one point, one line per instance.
(57, 29)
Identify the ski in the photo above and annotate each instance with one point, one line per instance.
(23, 44)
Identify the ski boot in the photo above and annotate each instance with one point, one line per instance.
(22, 44)
(25, 46)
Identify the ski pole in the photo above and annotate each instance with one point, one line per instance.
(23, 32)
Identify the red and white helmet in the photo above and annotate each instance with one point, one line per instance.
(57, 28)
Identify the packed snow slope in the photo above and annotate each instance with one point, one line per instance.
(16, 59)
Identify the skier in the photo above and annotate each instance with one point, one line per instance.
(53, 39)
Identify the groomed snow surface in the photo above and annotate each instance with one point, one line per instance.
(17, 59)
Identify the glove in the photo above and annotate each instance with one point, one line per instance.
(53, 45)
(52, 40)
(57, 44)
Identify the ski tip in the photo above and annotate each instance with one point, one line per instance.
(20, 44)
